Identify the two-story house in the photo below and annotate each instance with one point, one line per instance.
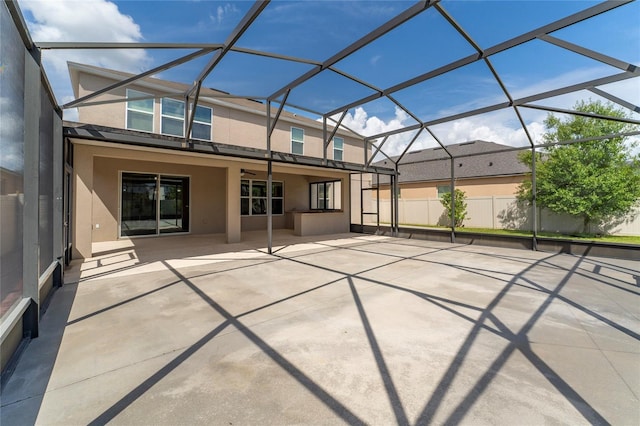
(135, 174)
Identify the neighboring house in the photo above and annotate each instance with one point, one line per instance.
(135, 174)
(478, 170)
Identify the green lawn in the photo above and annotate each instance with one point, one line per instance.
(578, 237)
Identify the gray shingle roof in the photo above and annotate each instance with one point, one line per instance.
(433, 164)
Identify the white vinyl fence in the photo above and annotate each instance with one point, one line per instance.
(500, 212)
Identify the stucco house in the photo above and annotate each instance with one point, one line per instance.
(479, 170)
(135, 174)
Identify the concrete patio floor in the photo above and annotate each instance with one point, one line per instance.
(342, 329)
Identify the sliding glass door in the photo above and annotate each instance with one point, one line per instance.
(154, 204)
(139, 203)
(174, 204)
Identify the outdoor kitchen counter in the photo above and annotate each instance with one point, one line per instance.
(319, 222)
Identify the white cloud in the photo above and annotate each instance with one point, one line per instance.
(89, 20)
(222, 12)
(361, 123)
(495, 130)
(499, 128)
(12, 157)
(82, 21)
(70, 114)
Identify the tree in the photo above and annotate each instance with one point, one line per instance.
(460, 206)
(596, 180)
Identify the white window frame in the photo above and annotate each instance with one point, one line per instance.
(210, 124)
(336, 199)
(163, 115)
(250, 197)
(130, 94)
(296, 141)
(158, 176)
(341, 150)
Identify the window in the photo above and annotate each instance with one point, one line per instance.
(139, 113)
(202, 123)
(297, 141)
(172, 121)
(443, 189)
(326, 195)
(253, 197)
(338, 148)
(154, 204)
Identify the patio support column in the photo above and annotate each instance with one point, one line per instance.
(325, 143)
(269, 182)
(269, 204)
(377, 202)
(82, 202)
(453, 202)
(392, 186)
(533, 198)
(233, 222)
(396, 203)
(361, 205)
(365, 152)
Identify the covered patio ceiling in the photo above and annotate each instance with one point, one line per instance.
(426, 70)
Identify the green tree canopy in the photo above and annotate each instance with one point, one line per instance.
(595, 180)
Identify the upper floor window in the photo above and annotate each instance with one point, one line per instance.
(172, 120)
(326, 195)
(202, 123)
(297, 141)
(140, 112)
(338, 148)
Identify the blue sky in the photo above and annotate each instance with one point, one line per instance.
(316, 30)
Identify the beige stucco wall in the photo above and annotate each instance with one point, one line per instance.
(234, 126)
(502, 185)
(214, 195)
(319, 223)
(108, 114)
(206, 204)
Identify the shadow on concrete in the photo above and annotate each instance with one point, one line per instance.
(338, 408)
(35, 366)
(517, 341)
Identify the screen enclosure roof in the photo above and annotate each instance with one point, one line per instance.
(403, 75)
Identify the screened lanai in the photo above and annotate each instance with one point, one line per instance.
(439, 95)
(402, 76)
(406, 79)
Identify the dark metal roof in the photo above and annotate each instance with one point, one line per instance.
(471, 160)
(130, 137)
